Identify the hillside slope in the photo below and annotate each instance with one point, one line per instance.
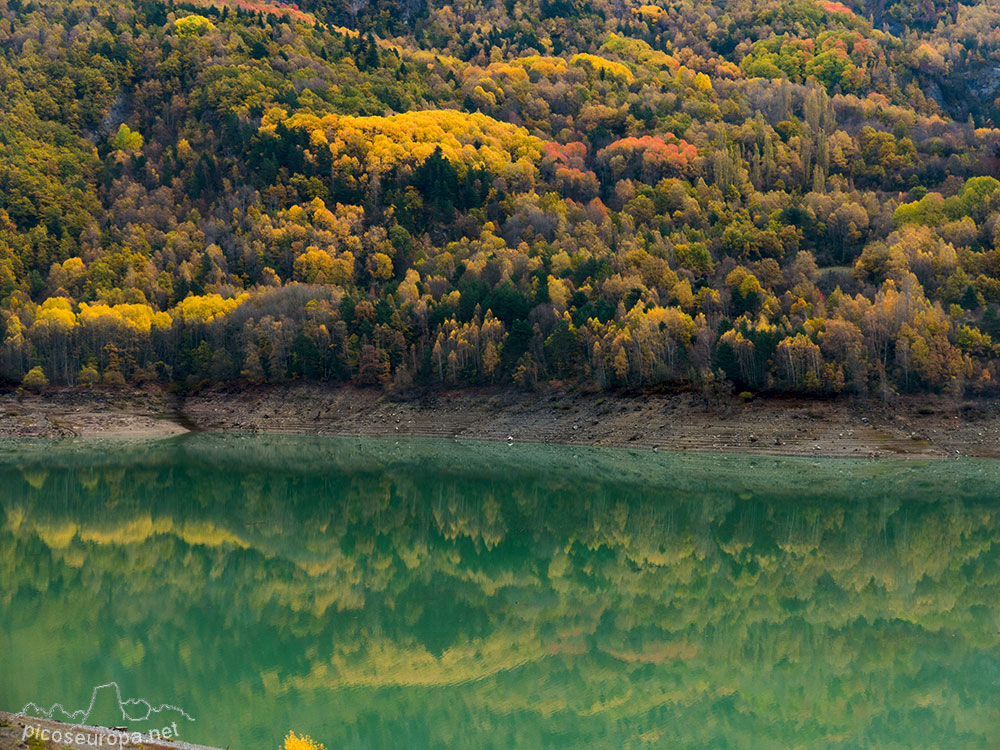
(764, 196)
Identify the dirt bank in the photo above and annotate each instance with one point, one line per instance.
(83, 412)
(920, 426)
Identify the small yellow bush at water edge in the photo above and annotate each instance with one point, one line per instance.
(303, 742)
(35, 380)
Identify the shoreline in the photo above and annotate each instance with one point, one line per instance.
(915, 427)
(15, 727)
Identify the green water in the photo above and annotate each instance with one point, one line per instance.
(423, 594)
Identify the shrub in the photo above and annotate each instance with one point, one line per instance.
(35, 380)
(301, 742)
(113, 378)
(88, 376)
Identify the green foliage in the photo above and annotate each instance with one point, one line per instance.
(127, 140)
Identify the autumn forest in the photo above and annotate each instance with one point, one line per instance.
(745, 195)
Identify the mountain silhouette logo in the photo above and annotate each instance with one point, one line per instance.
(144, 710)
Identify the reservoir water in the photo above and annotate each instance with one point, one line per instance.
(429, 594)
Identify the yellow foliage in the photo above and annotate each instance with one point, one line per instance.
(344, 31)
(193, 25)
(136, 317)
(343, 268)
(311, 264)
(382, 266)
(271, 118)
(561, 262)
(542, 65)
(486, 97)
(14, 335)
(317, 139)
(683, 294)
(35, 379)
(56, 312)
(74, 267)
(407, 290)
(741, 278)
(649, 13)
(640, 51)
(301, 742)
(596, 64)
(366, 145)
(56, 303)
(208, 307)
(928, 57)
(509, 71)
(430, 59)
(559, 293)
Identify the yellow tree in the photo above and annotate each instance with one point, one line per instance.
(800, 359)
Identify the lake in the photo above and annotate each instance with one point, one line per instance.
(431, 594)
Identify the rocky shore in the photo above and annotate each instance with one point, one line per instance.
(924, 427)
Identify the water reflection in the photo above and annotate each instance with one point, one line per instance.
(428, 594)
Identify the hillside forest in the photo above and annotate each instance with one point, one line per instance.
(751, 195)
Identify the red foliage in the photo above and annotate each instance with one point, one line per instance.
(262, 6)
(652, 157)
(572, 155)
(831, 6)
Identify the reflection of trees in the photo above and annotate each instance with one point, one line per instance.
(717, 598)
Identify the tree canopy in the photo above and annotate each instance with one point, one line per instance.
(781, 196)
